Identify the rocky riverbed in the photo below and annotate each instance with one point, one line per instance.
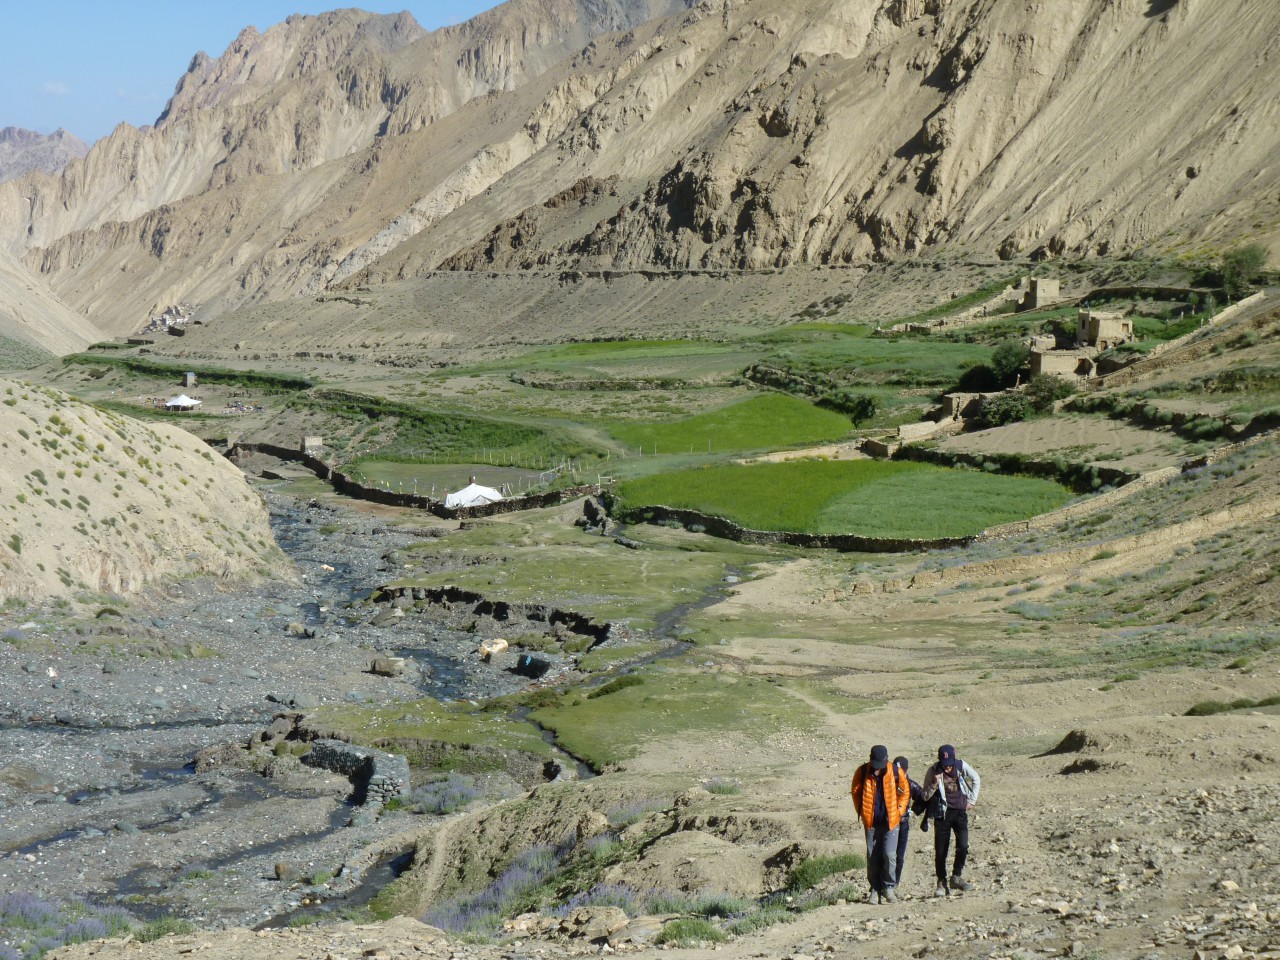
(102, 718)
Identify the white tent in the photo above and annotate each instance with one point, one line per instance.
(182, 402)
(472, 495)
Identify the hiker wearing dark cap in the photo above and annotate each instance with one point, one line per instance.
(881, 798)
(904, 828)
(951, 786)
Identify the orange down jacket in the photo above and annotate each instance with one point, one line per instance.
(897, 799)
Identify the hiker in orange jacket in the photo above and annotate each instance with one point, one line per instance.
(881, 798)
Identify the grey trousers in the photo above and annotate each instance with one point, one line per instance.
(882, 858)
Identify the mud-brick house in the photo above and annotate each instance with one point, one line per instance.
(1102, 331)
(1062, 363)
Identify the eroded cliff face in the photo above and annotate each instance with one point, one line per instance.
(349, 149)
(1024, 128)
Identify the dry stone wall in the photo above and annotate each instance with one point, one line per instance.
(377, 777)
(348, 485)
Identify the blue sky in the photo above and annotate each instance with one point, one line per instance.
(87, 65)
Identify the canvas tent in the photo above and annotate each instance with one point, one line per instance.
(472, 495)
(182, 402)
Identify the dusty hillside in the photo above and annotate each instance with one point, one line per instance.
(96, 503)
(347, 149)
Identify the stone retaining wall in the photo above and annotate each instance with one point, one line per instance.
(347, 485)
(501, 610)
(728, 530)
(1075, 476)
(377, 777)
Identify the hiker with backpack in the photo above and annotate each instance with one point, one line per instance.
(882, 799)
(951, 786)
(918, 805)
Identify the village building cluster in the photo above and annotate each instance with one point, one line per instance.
(172, 320)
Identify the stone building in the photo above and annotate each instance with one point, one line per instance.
(1102, 331)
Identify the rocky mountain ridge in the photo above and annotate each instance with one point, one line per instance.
(23, 151)
(350, 149)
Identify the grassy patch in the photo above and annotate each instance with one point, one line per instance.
(671, 703)
(871, 498)
(403, 725)
(760, 423)
(690, 931)
(542, 560)
(809, 873)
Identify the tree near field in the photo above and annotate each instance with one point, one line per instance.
(1044, 388)
(857, 406)
(862, 408)
(1241, 267)
(1007, 359)
(1004, 408)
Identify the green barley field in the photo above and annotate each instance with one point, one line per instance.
(867, 497)
(765, 422)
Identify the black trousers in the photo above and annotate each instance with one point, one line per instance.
(957, 822)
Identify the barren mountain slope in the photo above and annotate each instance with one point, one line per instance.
(835, 132)
(22, 151)
(30, 313)
(348, 150)
(97, 503)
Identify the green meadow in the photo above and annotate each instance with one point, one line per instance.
(867, 497)
(763, 422)
(679, 699)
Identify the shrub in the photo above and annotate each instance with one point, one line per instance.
(613, 686)
(809, 873)
(1044, 389)
(1240, 267)
(758, 920)
(1007, 359)
(1207, 708)
(690, 931)
(1032, 611)
(444, 795)
(163, 927)
(1003, 409)
(722, 787)
(626, 814)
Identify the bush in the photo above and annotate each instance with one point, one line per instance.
(722, 787)
(1007, 359)
(1003, 409)
(164, 927)
(635, 811)
(448, 794)
(1044, 389)
(613, 686)
(809, 873)
(1240, 267)
(689, 931)
(1207, 708)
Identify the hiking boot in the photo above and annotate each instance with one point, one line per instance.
(888, 896)
(941, 891)
(960, 883)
